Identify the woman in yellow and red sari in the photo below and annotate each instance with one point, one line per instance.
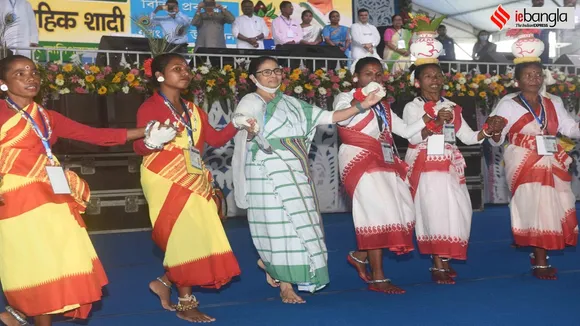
(47, 262)
(178, 189)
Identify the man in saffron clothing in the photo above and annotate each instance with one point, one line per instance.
(178, 189)
(47, 262)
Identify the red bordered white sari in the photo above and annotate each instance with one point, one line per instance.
(542, 207)
(382, 209)
(442, 204)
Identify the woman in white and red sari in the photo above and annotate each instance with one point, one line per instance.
(375, 178)
(542, 206)
(442, 204)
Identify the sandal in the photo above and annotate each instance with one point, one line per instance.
(394, 289)
(434, 270)
(16, 316)
(189, 303)
(352, 260)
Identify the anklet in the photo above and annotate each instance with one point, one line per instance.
(16, 316)
(190, 303)
(164, 283)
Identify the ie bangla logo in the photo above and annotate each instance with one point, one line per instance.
(534, 17)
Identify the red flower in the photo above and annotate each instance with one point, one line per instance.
(147, 67)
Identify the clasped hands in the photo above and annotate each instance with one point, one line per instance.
(494, 125)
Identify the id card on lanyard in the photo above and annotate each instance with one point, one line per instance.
(55, 173)
(381, 113)
(192, 155)
(12, 14)
(401, 42)
(545, 144)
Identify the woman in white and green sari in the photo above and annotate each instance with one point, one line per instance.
(397, 43)
(272, 181)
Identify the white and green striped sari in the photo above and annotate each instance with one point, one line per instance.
(283, 213)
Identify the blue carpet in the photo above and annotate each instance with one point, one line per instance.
(494, 286)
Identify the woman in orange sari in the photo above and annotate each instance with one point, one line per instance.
(47, 262)
(178, 189)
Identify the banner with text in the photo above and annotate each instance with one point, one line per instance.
(73, 23)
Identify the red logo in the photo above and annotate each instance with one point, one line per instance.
(500, 17)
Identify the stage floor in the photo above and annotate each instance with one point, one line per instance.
(494, 287)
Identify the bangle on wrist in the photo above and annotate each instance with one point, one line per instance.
(360, 107)
(152, 147)
(485, 134)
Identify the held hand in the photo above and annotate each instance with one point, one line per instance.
(496, 125)
(219, 6)
(158, 135)
(371, 99)
(443, 116)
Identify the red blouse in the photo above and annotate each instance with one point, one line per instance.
(154, 109)
(63, 127)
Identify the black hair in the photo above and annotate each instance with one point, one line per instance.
(254, 65)
(519, 70)
(159, 64)
(284, 4)
(246, 1)
(360, 11)
(442, 26)
(365, 61)
(5, 64)
(332, 12)
(171, 1)
(306, 12)
(416, 70)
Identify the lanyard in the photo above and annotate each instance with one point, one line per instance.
(542, 118)
(381, 113)
(185, 122)
(44, 136)
(13, 4)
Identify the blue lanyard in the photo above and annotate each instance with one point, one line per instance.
(542, 118)
(185, 122)
(44, 136)
(381, 111)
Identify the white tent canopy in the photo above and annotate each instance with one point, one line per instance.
(467, 17)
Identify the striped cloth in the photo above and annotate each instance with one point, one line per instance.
(283, 214)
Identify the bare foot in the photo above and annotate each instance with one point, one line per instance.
(440, 276)
(450, 271)
(9, 320)
(385, 287)
(195, 316)
(288, 295)
(274, 283)
(545, 273)
(164, 294)
(361, 268)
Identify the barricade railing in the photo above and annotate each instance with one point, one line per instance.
(116, 57)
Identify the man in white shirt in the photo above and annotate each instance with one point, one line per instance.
(23, 33)
(286, 30)
(175, 25)
(249, 29)
(364, 37)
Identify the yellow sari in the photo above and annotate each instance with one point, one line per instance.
(184, 216)
(47, 262)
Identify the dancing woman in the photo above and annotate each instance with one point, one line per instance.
(47, 262)
(442, 204)
(271, 180)
(375, 178)
(543, 206)
(178, 189)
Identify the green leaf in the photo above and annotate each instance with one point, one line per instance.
(274, 16)
(261, 13)
(437, 21)
(269, 7)
(270, 12)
